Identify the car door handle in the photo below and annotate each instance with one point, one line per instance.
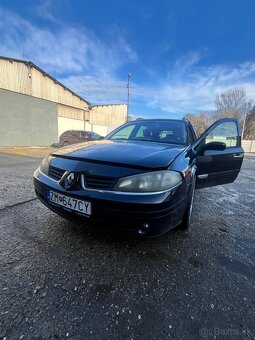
(238, 155)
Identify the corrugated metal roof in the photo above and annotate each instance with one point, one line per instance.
(119, 104)
(31, 64)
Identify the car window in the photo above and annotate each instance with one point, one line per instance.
(225, 132)
(83, 134)
(173, 132)
(94, 135)
(140, 132)
(123, 133)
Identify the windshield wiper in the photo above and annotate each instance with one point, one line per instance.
(142, 140)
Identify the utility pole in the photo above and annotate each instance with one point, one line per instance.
(128, 93)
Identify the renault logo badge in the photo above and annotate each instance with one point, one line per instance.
(70, 178)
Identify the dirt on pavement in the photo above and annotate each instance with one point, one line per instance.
(30, 151)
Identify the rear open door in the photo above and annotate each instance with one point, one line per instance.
(216, 167)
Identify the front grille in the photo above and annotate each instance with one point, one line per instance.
(99, 182)
(55, 173)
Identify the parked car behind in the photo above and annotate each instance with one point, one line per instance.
(77, 136)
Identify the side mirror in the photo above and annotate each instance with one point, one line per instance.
(219, 146)
(215, 146)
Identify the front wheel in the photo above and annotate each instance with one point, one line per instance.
(186, 220)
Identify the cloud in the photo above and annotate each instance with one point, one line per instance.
(45, 9)
(100, 90)
(63, 49)
(190, 88)
(196, 89)
(192, 91)
(90, 65)
(184, 63)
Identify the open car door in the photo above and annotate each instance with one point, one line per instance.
(219, 154)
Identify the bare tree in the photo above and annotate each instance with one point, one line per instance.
(249, 130)
(201, 121)
(233, 103)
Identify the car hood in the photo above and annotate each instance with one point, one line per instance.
(129, 153)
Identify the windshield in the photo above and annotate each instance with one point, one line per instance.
(172, 132)
(94, 135)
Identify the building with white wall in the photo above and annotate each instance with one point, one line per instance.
(35, 108)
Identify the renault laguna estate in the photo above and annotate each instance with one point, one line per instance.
(141, 178)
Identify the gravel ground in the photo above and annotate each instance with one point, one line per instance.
(62, 280)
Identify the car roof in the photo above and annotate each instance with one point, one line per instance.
(76, 131)
(158, 120)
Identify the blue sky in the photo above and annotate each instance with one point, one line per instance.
(181, 53)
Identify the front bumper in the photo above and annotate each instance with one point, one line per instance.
(138, 215)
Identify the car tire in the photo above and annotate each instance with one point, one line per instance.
(186, 220)
(66, 143)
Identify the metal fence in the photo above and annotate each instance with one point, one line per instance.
(248, 145)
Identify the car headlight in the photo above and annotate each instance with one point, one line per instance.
(149, 182)
(44, 167)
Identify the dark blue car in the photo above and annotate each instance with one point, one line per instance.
(141, 178)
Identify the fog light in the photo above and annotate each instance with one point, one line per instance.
(144, 229)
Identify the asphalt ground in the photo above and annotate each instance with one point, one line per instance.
(62, 280)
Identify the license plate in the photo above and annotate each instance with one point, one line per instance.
(71, 203)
